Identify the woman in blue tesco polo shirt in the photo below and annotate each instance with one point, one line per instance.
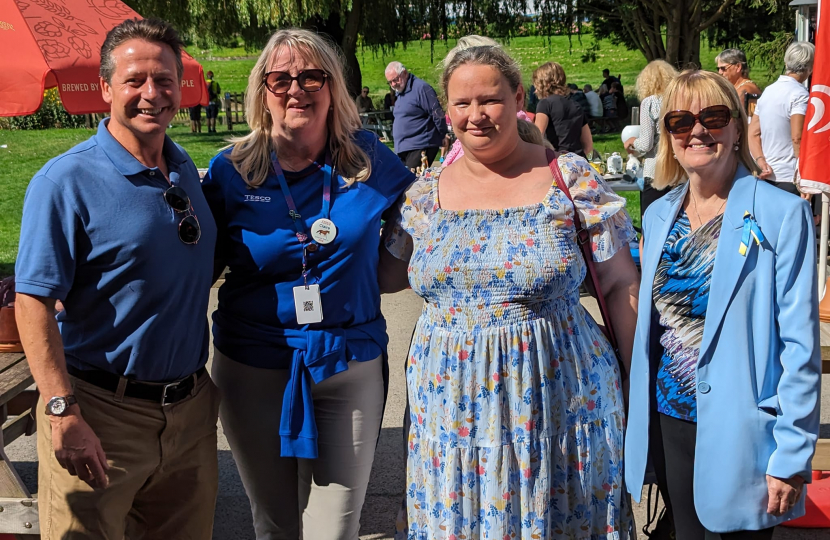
(300, 339)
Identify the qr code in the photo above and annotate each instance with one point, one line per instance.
(308, 305)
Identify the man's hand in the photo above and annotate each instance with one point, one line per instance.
(783, 494)
(78, 449)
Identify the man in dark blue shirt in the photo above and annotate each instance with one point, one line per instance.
(118, 230)
(420, 125)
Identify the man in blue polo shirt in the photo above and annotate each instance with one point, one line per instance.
(420, 125)
(117, 229)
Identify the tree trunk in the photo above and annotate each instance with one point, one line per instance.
(354, 79)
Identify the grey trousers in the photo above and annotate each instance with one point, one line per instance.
(310, 499)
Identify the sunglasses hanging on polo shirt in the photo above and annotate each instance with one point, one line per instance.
(189, 229)
(307, 300)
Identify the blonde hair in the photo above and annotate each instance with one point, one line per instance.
(495, 57)
(709, 89)
(549, 78)
(473, 40)
(654, 78)
(251, 154)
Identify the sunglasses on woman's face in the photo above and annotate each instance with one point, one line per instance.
(310, 80)
(714, 117)
(177, 199)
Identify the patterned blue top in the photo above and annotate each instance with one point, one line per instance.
(681, 296)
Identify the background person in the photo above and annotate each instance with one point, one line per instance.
(117, 229)
(214, 101)
(419, 119)
(594, 102)
(650, 85)
(363, 101)
(775, 130)
(561, 119)
(496, 372)
(735, 377)
(733, 66)
(195, 119)
(300, 340)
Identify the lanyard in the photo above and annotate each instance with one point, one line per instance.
(296, 218)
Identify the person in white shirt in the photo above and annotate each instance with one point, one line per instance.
(775, 130)
(594, 102)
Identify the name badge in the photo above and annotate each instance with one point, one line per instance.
(307, 304)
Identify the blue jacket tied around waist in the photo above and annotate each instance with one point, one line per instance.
(318, 354)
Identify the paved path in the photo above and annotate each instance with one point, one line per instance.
(233, 518)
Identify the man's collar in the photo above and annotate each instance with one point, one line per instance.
(410, 78)
(124, 161)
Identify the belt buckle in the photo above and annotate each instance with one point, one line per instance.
(167, 387)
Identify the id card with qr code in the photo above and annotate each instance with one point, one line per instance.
(307, 304)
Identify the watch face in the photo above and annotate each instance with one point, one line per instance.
(57, 406)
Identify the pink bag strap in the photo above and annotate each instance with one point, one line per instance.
(583, 238)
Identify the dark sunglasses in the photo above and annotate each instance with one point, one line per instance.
(310, 80)
(714, 117)
(177, 199)
(724, 68)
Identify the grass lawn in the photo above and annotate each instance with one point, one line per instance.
(28, 151)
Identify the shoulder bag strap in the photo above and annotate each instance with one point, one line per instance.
(583, 238)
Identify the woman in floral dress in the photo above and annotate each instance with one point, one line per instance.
(516, 400)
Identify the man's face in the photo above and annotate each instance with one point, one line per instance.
(396, 81)
(145, 91)
(365, 92)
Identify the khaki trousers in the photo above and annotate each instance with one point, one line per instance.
(163, 471)
(310, 499)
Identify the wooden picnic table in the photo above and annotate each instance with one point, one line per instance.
(18, 507)
(379, 122)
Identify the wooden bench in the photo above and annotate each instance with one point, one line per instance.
(376, 122)
(18, 507)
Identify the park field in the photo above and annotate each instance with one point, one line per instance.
(23, 153)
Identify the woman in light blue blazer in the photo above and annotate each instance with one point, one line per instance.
(725, 372)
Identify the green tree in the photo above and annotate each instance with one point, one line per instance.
(377, 24)
(671, 29)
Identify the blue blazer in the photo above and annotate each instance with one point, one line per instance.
(759, 370)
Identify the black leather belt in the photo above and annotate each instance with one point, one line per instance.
(163, 393)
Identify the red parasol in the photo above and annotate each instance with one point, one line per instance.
(815, 139)
(48, 43)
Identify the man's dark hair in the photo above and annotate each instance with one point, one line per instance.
(152, 30)
(209, 74)
(606, 72)
(365, 87)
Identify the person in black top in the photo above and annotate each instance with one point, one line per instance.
(578, 97)
(609, 79)
(619, 98)
(562, 120)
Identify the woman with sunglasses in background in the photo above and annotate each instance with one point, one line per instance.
(299, 336)
(725, 369)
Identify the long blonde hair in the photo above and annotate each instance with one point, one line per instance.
(710, 89)
(251, 154)
(493, 56)
(654, 78)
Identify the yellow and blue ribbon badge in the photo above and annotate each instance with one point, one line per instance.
(751, 231)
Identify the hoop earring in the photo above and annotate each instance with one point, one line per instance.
(736, 148)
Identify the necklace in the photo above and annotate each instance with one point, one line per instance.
(746, 81)
(698, 213)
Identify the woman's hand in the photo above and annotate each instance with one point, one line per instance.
(783, 494)
(629, 145)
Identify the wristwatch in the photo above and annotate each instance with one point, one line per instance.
(58, 405)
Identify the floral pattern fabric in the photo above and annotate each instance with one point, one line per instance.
(515, 400)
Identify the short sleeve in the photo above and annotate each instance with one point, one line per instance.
(799, 104)
(390, 177)
(212, 190)
(411, 217)
(600, 209)
(48, 255)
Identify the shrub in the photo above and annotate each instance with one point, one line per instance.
(50, 115)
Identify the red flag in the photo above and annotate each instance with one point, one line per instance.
(815, 139)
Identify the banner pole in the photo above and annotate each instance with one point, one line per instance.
(822, 249)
